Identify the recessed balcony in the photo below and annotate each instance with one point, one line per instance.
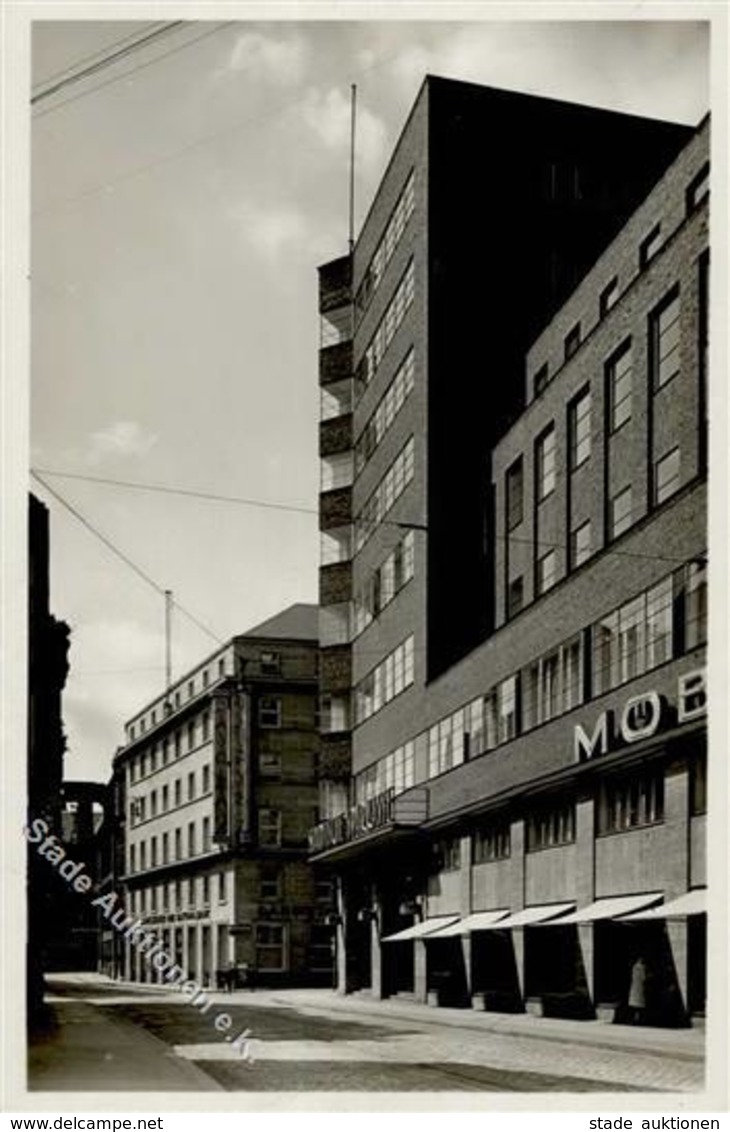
(335, 508)
(335, 436)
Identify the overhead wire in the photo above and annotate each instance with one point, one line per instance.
(100, 52)
(133, 70)
(111, 546)
(269, 505)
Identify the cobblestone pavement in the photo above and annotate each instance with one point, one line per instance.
(297, 1048)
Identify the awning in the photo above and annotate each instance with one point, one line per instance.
(611, 907)
(478, 921)
(693, 903)
(423, 927)
(537, 914)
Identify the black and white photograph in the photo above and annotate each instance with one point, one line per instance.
(361, 440)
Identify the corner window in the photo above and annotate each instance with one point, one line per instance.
(699, 188)
(608, 297)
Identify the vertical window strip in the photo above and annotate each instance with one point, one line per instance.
(388, 243)
(394, 314)
(386, 411)
(392, 485)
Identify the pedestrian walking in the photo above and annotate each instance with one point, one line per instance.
(637, 992)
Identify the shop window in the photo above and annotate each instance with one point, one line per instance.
(491, 842)
(628, 803)
(450, 854)
(270, 947)
(548, 828)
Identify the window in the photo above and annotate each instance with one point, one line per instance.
(659, 624)
(491, 842)
(390, 488)
(205, 678)
(572, 341)
(191, 689)
(191, 839)
(550, 827)
(206, 835)
(143, 764)
(621, 515)
(580, 544)
(386, 330)
(178, 894)
(206, 778)
(178, 791)
(631, 639)
(165, 751)
(191, 735)
(270, 764)
(508, 709)
(191, 786)
(579, 424)
(153, 852)
(609, 297)
(545, 464)
(178, 845)
(206, 891)
(666, 476)
(386, 411)
(142, 856)
(388, 243)
(664, 341)
(540, 380)
(514, 491)
(153, 804)
(205, 727)
(619, 372)
(515, 597)
(153, 756)
(626, 803)
(387, 680)
(165, 848)
(178, 744)
(546, 571)
(698, 785)
(270, 884)
(132, 858)
(191, 892)
(650, 245)
(699, 188)
(695, 614)
(451, 854)
(571, 662)
(221, 888)
(270, 663)
(270, 827)
(269, 712)
(270, 947)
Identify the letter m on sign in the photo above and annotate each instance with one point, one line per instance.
(587, 746)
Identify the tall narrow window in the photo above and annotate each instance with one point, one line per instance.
(546, 571)
(666, 476)
(515, 597)
(621, 513)
(695, 613)
(508, 709)
(515, 492)
(580, 544)
(664, 331)
(545, 464)
(579, 424)
(620, 377)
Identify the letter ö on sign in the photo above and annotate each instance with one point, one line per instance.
(633, 725)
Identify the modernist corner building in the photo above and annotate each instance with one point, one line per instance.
(217, 785)
(513, 581)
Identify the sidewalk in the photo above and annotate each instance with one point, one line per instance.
(686, 1044)
(82, 1050)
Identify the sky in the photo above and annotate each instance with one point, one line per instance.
(182, 199)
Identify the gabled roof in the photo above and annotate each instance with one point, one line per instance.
(300, 622)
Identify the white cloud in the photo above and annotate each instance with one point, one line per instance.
(265, 58)
(122, 438)
(327, 115)
(272, 231)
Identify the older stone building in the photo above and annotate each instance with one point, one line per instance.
(220, 789)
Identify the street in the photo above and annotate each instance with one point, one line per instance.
(314, 1042)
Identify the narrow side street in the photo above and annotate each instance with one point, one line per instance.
(109, 1036)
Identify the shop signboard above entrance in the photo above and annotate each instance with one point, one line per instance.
(366, 817)
(642, 716)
